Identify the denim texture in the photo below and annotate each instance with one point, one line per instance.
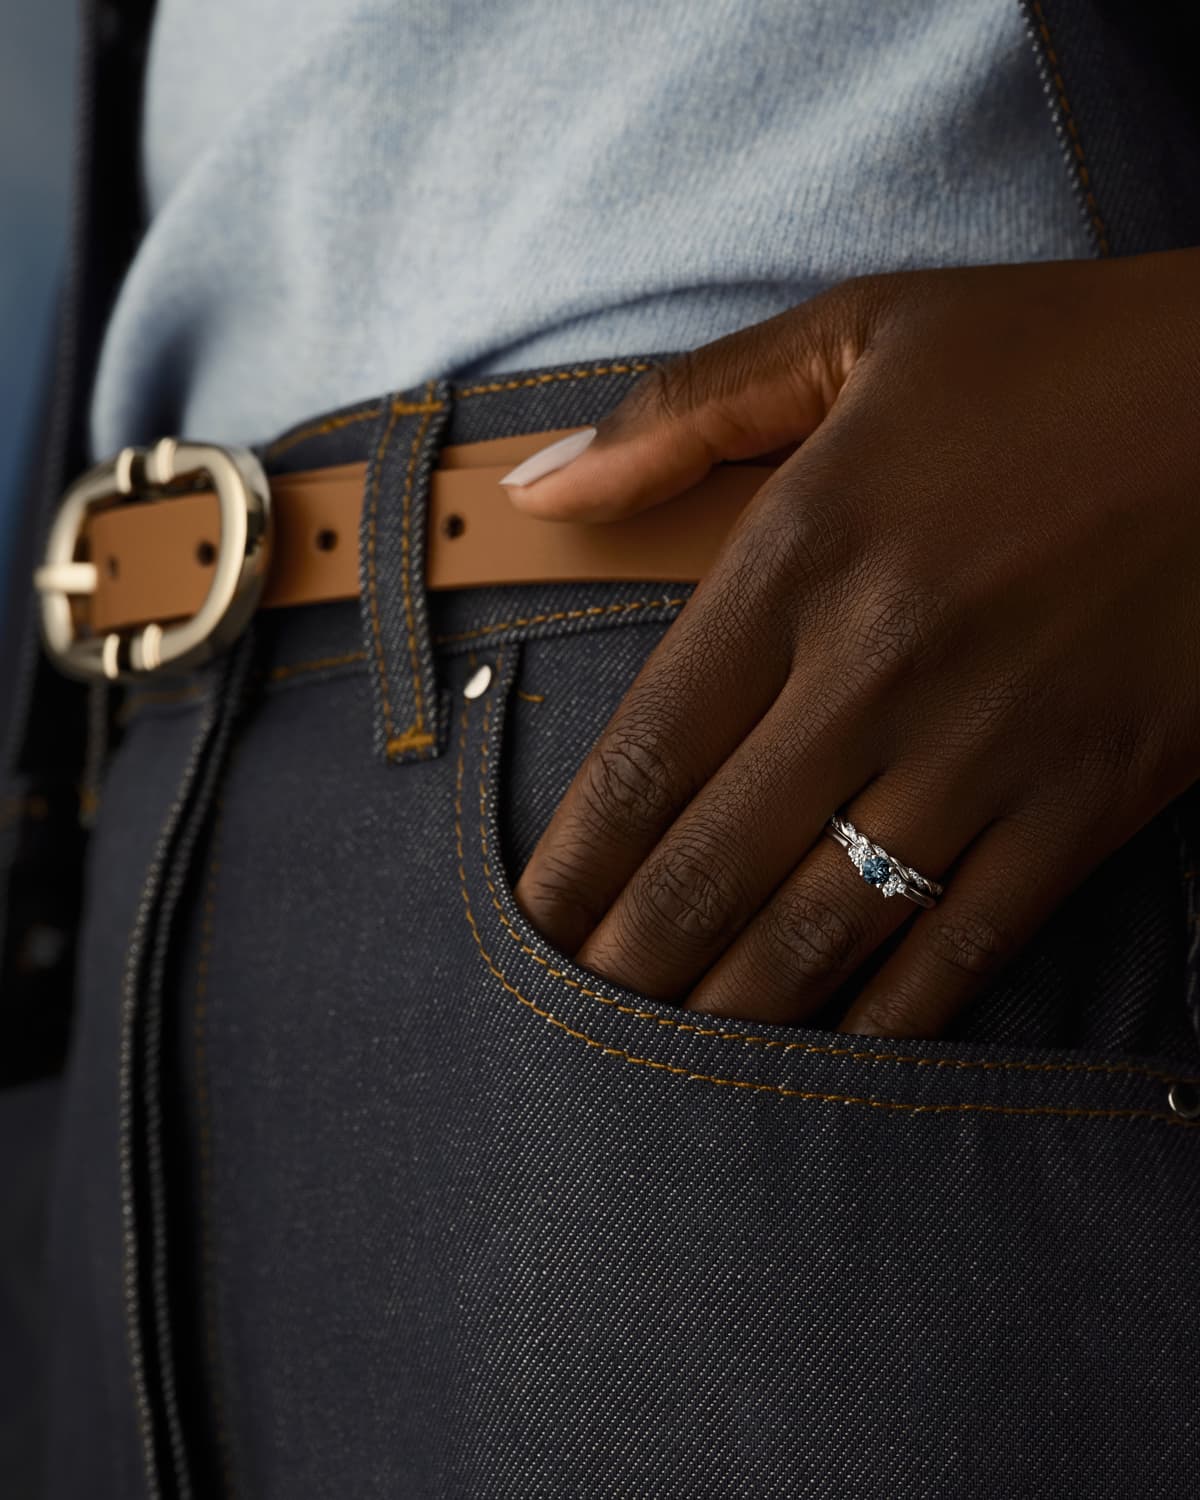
(1122, 78)
(365, 1189)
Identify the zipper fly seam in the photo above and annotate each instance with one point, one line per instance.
(227, 693)
(135, 957)
(142, 1001)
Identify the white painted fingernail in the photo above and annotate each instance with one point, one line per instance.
(553, 456)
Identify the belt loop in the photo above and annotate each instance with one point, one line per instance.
(409, 717)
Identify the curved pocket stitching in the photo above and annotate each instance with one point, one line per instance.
(849, 1054)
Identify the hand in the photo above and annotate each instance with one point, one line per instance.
(965, 611)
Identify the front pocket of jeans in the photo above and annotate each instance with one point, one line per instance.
(546, 702)
(982, 1244)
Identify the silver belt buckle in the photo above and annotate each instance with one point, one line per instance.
(239, 570)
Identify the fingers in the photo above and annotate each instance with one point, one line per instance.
(742, 395)
(743, 832)
(810, 930)
(827, 919)
(694, 701)
(701, 692)
(1010, 881)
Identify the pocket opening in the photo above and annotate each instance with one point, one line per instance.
(919, 1074)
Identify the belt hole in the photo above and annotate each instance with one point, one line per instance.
(454, 525)
(326, 539)
(1184, 1099)
(206, 554)
(111, 566)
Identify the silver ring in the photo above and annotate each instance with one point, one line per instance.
(881, 869)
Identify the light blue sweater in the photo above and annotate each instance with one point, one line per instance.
(350, 196)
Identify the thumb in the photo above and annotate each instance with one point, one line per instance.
(746, 394)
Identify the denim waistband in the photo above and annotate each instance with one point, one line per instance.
(397, 628)
(400, 637)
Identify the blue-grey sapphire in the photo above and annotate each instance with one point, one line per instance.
(876, 870)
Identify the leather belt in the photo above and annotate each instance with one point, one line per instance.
(152, 561)
(154, 558)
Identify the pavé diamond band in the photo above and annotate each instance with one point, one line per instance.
(880, 869)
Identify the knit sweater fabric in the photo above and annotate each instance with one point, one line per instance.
(346, 197)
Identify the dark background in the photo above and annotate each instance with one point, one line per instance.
(37, 62)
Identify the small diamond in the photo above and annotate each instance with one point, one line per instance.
(876, 870)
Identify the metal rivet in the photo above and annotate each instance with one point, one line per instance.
(479, 682)
(1184, 1099)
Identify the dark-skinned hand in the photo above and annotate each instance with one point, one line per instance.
(964, 611)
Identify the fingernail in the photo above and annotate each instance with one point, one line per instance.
(553, 456)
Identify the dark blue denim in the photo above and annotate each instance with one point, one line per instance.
(365, 1189)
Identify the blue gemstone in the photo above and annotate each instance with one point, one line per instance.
(876, 870)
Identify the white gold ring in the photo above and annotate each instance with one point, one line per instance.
(881, 869)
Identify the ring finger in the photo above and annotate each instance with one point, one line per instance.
(827, 918)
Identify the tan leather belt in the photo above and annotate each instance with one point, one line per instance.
(153, 560)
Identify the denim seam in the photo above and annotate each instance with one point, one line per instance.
(319, 428)
(809, 1048)
(349, 419)
(316, 664)
(416, 736)
(151, 697)
(131, 1006)
(562, 614)
(165, 697)
(749, 1085)
(1081, 166)
(190, 694)
(635, 367)
(370, 569)
(205, 1150)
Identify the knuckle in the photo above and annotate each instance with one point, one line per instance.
(688, 892)
(708, 382)
(669, 391)
(628, 783)
(813, 539)
(901, 625)
(808, 938)
(969, 943)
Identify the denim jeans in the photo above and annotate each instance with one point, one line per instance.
(365, 1189)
